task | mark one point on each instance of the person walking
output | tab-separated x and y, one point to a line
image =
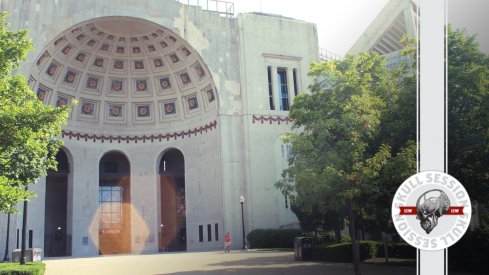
227	239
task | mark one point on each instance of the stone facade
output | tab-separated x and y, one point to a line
153	76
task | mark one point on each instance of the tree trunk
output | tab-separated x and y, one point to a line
354	241
386	252
337	229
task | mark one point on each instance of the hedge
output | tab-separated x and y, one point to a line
342	252
470	252
396	250
273	238
18	269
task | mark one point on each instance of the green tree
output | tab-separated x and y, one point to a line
341	141
27	126
468	114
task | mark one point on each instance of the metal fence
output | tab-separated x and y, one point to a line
224	8
325	55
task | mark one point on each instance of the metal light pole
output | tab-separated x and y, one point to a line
24	226
241	199
6	258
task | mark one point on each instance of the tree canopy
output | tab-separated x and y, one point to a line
28	127
348	151
468	114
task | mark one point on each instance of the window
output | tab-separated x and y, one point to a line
110	203
209	233
216	231
111	167
283	91
270	88
286	150
201	233
294	75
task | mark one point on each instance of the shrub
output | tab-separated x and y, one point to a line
17	269
342	252
397	250
273	238
470	253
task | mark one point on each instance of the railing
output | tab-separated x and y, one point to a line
325	55
224	8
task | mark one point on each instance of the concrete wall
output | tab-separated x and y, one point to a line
278	42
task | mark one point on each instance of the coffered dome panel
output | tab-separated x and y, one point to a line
127	75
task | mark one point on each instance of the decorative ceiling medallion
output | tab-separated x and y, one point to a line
141	85
158	63
66	50
92	82
185	78
192	103
62	101
115	110
80	57
138	65
70	77
185	51
42	93
98	62
52	69
42	58
170	108
116	85
210	95
143	110
165	83
87	108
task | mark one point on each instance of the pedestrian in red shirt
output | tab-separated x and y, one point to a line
228	243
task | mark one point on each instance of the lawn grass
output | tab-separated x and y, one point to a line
392	261
18	269
274	249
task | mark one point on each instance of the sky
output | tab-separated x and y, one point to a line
471	15
341	22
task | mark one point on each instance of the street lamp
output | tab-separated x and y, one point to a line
6	258
241	200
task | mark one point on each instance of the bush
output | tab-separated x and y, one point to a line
273	238
470	253
342	252
17	269
397	250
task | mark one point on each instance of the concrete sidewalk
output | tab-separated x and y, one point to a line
236	262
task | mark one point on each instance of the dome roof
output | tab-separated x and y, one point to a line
126	74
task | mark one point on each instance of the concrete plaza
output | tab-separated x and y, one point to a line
215	262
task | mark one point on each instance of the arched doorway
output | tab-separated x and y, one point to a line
173	231
57	239
114	204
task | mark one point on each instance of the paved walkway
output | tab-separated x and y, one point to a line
236	262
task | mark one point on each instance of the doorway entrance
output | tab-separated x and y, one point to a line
57	239
172	231
114	204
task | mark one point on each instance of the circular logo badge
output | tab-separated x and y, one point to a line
431	210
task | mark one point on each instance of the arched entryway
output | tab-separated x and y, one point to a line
114	204
57	235
173	231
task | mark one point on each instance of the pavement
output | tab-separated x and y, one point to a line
214	262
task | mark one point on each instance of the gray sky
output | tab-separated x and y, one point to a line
473	15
